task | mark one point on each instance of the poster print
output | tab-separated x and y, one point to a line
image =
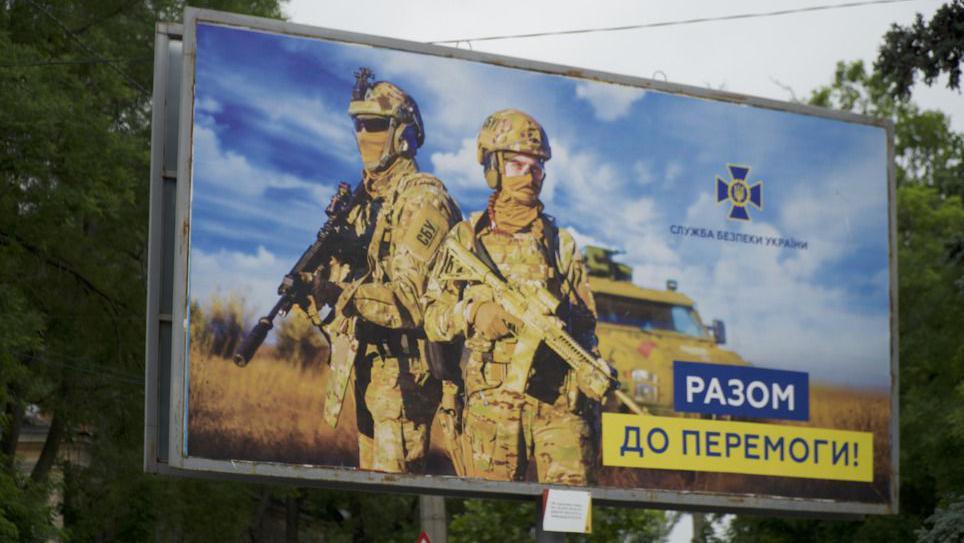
409	264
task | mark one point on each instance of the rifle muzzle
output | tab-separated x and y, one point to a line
252	341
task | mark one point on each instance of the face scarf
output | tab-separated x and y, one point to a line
517	204
371	145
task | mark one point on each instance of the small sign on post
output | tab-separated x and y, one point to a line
567	511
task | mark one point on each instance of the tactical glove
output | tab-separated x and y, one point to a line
492	322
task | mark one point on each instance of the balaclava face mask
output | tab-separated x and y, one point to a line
516	205
371	145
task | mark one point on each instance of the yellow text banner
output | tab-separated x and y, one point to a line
636	441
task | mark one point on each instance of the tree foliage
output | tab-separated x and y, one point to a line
74	170
930	49
505	521
946	525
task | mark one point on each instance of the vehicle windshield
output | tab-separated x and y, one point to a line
647	315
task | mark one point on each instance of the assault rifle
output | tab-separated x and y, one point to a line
535	307
294	288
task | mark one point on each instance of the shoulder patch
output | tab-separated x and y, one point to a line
428	228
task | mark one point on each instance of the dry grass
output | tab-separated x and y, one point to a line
271	410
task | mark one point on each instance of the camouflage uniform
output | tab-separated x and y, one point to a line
553	421
376	330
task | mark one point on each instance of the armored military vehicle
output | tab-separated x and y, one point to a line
642	331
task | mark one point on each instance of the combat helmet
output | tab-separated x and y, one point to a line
509	130
406	133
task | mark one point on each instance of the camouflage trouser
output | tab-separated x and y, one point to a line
504	431
396	415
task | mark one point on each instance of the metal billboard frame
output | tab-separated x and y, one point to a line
167	304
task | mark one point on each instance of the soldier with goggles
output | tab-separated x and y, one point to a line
553	419
377	341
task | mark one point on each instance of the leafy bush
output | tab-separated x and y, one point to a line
298	340
217	328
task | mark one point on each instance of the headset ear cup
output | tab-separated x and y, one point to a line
493	169
406	140
492	178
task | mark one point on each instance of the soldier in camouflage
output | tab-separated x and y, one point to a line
553	422
376	328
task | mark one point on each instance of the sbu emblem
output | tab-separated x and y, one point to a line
739	192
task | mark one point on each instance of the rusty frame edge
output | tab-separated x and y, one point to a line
155	227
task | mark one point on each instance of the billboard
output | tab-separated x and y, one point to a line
392	265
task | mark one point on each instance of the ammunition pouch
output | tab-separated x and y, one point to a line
441	360
390	342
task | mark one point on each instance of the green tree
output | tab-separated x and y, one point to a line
510	521
946	525
74	170
929	48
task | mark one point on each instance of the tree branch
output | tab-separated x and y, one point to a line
61	265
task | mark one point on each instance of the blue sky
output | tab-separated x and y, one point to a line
272	138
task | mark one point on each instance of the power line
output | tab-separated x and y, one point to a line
755	15
85	366
133	82
77	61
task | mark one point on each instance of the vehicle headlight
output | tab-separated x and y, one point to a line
641	375
645	393
645	386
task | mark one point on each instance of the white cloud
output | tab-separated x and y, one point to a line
208	104
455	97
459	170
775	302
598	194
235	174
673	170
777	313
583	239
254	277
779	320
310	119
285	113
609	100
232	183
588	180
643	170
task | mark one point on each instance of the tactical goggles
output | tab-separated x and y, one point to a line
522	164
371	124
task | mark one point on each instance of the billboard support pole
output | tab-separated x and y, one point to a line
699	524
543	536
432	512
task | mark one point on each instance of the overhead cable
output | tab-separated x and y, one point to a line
133	82
754	15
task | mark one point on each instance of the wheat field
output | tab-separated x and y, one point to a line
271	411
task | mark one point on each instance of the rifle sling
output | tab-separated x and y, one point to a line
481	251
